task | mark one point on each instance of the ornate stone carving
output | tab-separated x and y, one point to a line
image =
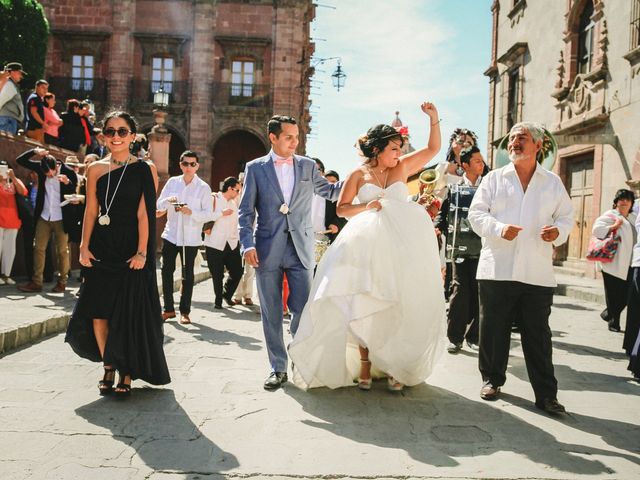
85	43
517	12
161	45
560	71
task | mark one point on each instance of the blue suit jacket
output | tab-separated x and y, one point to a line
262	195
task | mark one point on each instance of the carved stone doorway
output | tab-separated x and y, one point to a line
580	186
231	153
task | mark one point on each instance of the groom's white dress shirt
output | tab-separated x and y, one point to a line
286	177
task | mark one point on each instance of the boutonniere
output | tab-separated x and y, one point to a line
284	209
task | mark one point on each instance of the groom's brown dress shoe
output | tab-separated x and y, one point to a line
275	380
489	392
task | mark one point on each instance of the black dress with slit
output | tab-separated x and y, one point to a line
128	299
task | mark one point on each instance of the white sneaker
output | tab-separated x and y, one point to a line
454	347
9	281
2	281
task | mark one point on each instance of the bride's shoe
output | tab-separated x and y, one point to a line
364	383
394	385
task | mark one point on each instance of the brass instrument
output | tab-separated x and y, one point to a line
430	178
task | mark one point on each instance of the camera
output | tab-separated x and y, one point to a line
4	170
177	206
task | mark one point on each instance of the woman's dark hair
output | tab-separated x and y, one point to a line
48	163
49	95
319	163
465	155
228	183
127	117
377	139
457	133
623	194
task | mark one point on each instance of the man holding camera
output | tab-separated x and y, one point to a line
187	201
11	108
55	180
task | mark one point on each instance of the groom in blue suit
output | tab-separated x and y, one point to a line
279	187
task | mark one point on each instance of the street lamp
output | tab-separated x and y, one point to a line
338	77
160	98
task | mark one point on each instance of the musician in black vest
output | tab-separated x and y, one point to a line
55	180
331	219
462	318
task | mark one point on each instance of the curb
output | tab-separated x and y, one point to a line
578	293
25	334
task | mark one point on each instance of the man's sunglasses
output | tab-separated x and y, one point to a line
188	164
111	132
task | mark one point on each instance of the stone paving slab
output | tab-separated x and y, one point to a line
28	317
215	421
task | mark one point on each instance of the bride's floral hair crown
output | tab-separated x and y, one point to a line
376	140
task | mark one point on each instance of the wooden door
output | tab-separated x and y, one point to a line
580	184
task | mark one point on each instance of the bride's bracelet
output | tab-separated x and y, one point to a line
435	123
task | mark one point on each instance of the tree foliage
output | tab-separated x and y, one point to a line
24	31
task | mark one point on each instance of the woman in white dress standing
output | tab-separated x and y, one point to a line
376	298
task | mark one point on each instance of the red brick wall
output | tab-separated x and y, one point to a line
79	15
162	16
251	20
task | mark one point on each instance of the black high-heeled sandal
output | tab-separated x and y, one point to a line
123	390
105	386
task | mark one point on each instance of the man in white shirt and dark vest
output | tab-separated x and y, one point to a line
187	200
521	211
222	243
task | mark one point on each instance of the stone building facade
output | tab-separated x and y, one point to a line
573	65
228	66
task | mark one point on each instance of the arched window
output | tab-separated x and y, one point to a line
585	38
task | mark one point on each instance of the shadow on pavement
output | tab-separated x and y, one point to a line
204	333
153	423
591	351
434	426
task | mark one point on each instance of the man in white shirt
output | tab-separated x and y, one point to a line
187	200
11	108
222	243
521	211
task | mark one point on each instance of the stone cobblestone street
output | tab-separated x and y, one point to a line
215	420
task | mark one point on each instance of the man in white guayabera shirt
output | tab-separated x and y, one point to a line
521	211
187	200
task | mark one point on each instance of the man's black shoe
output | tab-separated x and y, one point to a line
217	307
229	301
604	315
551	406
275	380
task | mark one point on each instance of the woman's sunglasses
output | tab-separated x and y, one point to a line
111	132
188	164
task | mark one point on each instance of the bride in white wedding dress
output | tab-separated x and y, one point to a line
377	298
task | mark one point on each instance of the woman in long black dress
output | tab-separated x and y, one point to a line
118	319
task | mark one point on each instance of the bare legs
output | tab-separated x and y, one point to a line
364	380
101	331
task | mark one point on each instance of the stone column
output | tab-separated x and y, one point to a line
121	56
159	139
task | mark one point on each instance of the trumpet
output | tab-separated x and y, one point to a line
429	178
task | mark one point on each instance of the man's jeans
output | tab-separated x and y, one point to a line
8	124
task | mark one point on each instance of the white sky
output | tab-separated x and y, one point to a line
397	54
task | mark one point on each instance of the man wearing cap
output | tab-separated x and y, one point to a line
35	111
11	109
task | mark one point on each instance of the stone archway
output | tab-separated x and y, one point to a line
231	152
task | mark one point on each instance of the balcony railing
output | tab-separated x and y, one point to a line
142	91
66	87
240	95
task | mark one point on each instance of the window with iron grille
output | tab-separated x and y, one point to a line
82	73
242	78
162	74
635	24
513	97
585	39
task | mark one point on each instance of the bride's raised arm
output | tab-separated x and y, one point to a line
415	161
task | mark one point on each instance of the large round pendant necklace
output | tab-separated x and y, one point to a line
104	219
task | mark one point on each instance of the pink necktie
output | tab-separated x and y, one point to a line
283	161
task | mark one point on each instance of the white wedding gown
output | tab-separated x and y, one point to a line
378	285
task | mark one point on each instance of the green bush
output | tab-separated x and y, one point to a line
24	32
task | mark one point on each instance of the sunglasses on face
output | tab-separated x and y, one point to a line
111	132
188	164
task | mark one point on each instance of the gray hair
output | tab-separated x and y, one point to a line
535	129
